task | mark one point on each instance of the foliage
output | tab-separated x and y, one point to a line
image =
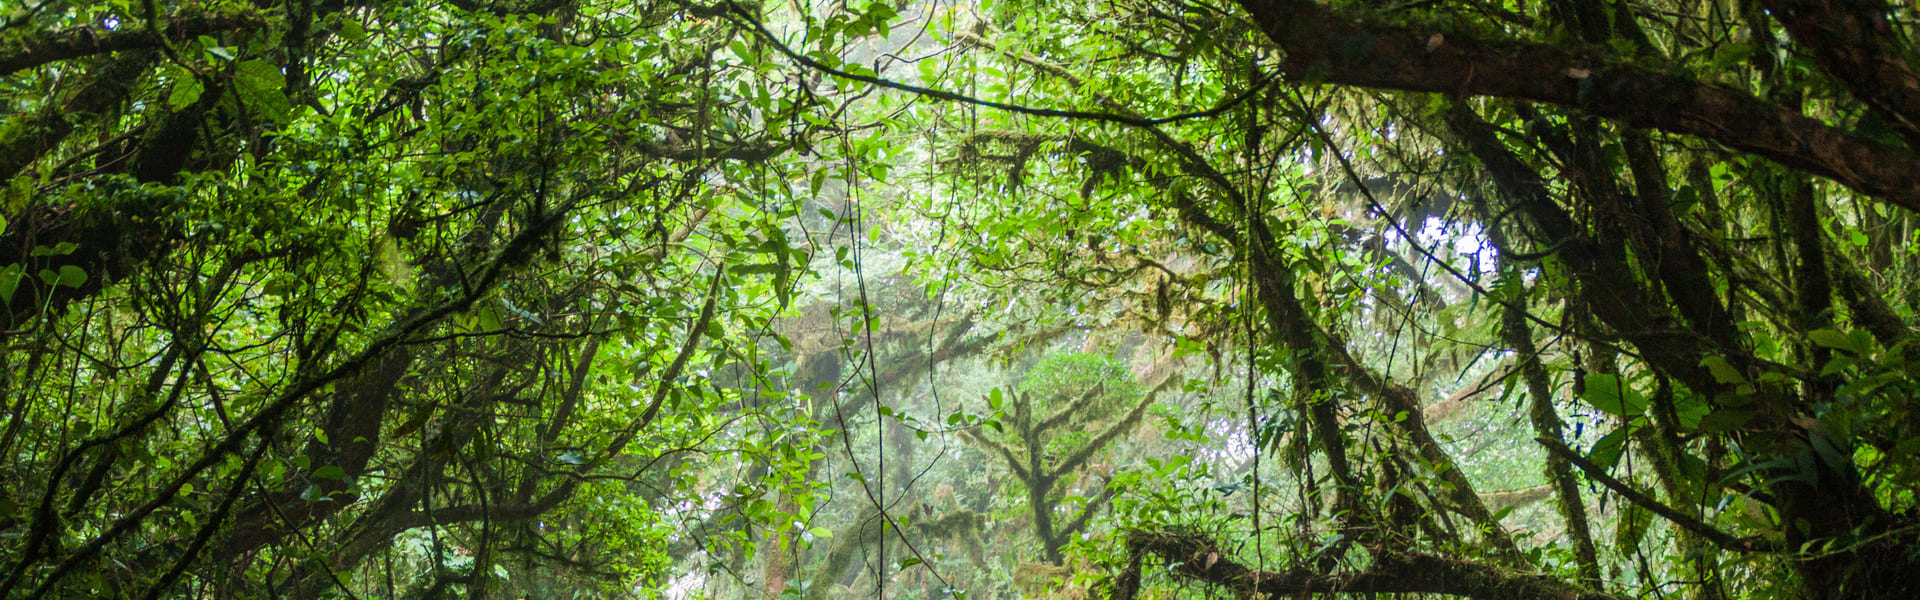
556	298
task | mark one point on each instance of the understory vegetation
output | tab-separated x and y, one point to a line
1130	299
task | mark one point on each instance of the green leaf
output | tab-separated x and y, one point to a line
71	276
1690	409
768	268
1723	371
352	30
261	86
1606	452
215	50
186	91
1612	395
329	472
1726	419
1728	55
10	277
1857	342
1837	365
1503	512
489	317
280	284
1631	527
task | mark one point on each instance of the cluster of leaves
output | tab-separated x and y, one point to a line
416	299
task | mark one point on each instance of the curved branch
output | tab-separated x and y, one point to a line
1019	470
1326	48
1196	557
1720	538
1086	451
1072	408
1093	505
521	249
87	40
1850	40
739	14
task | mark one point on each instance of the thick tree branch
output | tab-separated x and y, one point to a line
1019	470
1086	451
103	87
1870	308
1679	519
1323	47
88	40
1853	42
1198	558
1086	513
1072	408
1608	287
517	252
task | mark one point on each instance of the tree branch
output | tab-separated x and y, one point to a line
1019	470
1723	539
1322	47
87	40
1852	42
1196	557
1086	451
1072	408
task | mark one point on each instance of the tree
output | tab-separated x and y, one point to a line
1041	450
300	292
413	300
1619	155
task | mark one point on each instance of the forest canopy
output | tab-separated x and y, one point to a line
557	299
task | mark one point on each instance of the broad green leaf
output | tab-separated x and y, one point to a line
1837	365
280	284
71	276
261	87
1726	419
351	29
214	49
1728	55
1606	452
1857	342
1689	409
1612	395
1631	528
10	277
186	91
1723	371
